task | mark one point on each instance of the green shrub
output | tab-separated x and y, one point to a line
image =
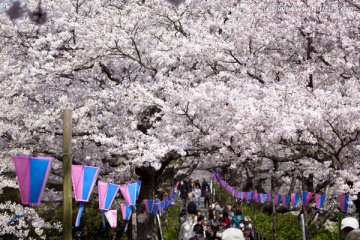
288	226
171	231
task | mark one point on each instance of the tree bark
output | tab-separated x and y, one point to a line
146	228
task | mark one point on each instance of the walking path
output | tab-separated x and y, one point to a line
202	208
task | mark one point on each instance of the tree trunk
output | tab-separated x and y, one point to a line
146	228
273	208
292	184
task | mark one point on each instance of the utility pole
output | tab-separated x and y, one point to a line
67	188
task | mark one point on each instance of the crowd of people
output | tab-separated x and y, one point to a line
228	222
194	189
216	223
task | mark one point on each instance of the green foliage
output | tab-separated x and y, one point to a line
288	226
171	231
222	196
91	221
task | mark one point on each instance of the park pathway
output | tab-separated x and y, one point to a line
202	208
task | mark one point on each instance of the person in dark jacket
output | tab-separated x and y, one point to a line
204	184
199	232
207	197
183	193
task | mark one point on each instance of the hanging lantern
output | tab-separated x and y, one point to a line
126	211
249	196
343	202
157	207
294	199
83	180
149	205
285	200
131	192
256	197
107	193
111	216
32	174
306	196
263	197
319	200
277	199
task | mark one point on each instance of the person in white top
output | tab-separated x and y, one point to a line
197	193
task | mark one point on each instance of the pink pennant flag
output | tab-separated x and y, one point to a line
306	197
107	193
319	200
256	196
294	199
343	202
233	193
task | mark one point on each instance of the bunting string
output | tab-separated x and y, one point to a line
288	201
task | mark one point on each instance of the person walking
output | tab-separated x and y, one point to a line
207	197
204	184
186	227
183	194
197	193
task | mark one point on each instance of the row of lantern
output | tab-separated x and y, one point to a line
33	172
83	180
284	199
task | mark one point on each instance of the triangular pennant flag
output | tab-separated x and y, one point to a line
149	205
294	199
319	199
249	196
263	197
277	199
130	192
285	200
157	207
343	201
306	198
107	193
256	196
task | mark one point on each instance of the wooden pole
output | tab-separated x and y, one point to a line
67	188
